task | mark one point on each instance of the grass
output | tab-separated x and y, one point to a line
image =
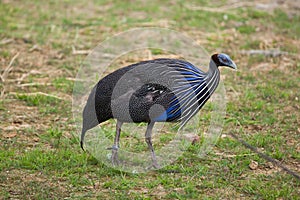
40	156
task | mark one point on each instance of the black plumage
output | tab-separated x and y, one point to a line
152	91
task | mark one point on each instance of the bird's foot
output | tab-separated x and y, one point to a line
114	158
154	165
114	155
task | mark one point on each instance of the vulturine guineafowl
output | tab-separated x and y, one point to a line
160	90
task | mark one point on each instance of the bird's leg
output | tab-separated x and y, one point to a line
115	147
149	143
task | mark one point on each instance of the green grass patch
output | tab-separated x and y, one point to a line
287	24
63	84
37	100
246	29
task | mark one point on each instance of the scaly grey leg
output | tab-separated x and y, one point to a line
115	147
149	143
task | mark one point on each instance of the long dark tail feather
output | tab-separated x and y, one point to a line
88	123
81	145
82	139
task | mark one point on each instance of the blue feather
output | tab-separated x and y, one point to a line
190	85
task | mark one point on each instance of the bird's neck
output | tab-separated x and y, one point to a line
213	76
212	69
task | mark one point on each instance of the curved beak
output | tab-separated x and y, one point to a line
233	65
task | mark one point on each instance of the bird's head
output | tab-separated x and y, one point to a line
222	59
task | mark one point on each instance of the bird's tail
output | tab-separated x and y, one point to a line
82	138
89	116
87	124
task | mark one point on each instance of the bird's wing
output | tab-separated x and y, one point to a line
138	80
178	85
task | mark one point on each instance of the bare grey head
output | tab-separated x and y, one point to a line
223	59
